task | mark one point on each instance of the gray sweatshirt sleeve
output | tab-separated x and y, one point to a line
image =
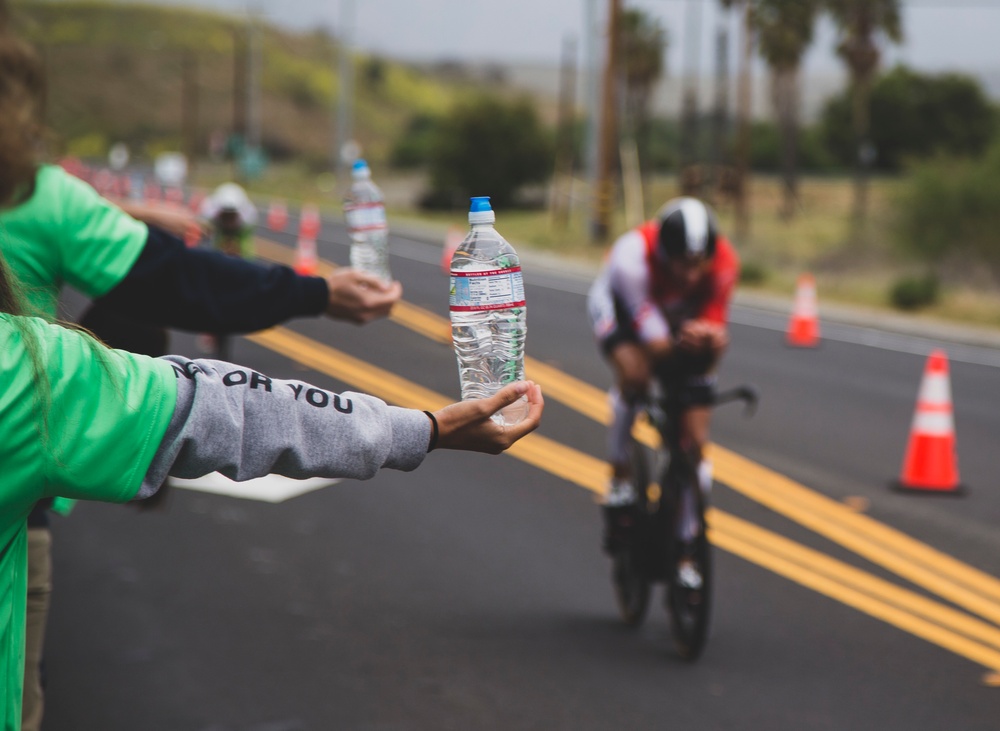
243	424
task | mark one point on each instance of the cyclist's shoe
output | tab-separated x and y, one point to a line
620	515
620	493
688	574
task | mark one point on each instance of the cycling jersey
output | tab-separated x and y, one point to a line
632	298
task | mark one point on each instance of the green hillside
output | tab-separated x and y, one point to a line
121	72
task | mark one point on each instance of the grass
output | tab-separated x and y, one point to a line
851	266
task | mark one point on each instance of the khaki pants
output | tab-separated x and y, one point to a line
39	591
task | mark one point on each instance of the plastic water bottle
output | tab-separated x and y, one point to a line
364	209
488	312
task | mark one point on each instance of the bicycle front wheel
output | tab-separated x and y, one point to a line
689	584
631	587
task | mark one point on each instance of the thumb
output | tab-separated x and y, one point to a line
509	394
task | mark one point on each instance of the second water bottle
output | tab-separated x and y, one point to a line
364	209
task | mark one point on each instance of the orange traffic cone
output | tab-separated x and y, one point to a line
452	240
309	223
277	216
803	328
930	463
306	261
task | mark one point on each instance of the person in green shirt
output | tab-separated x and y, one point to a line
56	230
82	421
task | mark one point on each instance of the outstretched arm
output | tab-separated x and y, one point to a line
171	285
243	424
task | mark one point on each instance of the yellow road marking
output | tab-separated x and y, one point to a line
820	563
936	623
912	559
536	450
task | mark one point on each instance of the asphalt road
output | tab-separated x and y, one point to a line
472	594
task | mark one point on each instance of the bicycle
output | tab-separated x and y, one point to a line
656	551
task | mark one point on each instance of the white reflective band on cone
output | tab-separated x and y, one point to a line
934	423
935	389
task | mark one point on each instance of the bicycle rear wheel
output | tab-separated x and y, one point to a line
689	602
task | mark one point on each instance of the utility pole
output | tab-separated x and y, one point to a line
720	128
237	139
253	82
345	100
189	108
562	181
239	82
743	102
604	190
689	104
591	95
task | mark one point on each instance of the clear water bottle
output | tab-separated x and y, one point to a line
487	306
364	209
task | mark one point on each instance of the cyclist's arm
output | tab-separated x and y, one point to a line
630	278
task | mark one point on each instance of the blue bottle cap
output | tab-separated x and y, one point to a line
359	164
480	204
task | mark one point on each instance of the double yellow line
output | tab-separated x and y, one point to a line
956	631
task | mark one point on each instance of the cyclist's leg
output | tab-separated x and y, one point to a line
623	412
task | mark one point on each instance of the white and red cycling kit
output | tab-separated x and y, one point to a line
632	298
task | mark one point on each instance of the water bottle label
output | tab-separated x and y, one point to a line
497	289
365	217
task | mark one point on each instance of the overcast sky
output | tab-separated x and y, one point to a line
940	34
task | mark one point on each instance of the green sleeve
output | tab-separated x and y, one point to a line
93	431
98	242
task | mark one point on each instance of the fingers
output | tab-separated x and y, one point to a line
468	424
359	297
536	405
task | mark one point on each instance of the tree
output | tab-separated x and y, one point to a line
643	44
859	22
784	32
915	115
488	146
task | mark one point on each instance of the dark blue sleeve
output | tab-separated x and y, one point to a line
205	291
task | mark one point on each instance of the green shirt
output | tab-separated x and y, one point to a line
106	412
67	234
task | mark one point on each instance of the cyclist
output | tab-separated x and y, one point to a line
659	309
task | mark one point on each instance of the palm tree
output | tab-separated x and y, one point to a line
643	43
784	32
859	22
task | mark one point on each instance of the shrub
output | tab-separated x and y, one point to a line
912	293
914	115
753	272
492	147
949	212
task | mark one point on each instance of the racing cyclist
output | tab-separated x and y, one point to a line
659	309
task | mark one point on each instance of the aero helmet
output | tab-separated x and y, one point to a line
687	230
